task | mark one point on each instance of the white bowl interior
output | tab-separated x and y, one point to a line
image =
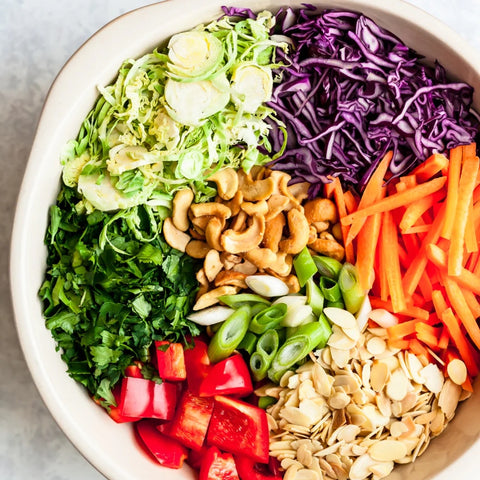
111	448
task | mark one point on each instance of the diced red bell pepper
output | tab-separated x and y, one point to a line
195	457
164	400
114	412
248	469
197	365
240	428
170	361
228	377
167	451
191	420
218	466
136	397
133	371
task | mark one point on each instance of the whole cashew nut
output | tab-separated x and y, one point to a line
227	182
181	203
299	232
237	242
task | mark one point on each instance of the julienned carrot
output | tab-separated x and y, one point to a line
427	334
471	243
444	339
466	185
401	330
425	286
342	212
419	350
466	279
414	272
329	187
366	246
460	341
381	270
391	263
351	202
430	167
452	190
418	229
410	310
439	302
415	210
472	302
397	200
372	192
400	343
460	306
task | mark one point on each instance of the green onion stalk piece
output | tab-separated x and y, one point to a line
265	402
265	351
304	266
235	301
268	318
339	304
315	297
248	343
326	327
256	308
268	343
330	289
327	266
229	335
352	292
298	346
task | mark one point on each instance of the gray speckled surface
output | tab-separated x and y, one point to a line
36	38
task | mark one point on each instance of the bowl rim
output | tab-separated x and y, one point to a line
397	8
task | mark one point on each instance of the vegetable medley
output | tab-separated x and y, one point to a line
264	253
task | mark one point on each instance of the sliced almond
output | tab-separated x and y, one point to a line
376	345
397	386
378	376
212	265
433	378
387	450
341	317
457	371
448	398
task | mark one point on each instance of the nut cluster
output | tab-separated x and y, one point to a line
357	408
255	225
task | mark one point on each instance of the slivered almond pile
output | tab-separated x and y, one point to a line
256	224
358	407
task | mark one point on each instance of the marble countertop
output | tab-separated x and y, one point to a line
36	39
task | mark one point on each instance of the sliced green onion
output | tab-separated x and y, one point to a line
259	365
304	266
235	301
326	328
265	402
330	289
268	343
327	266
248	343
256	308
352	292
315	297
268	318
229	335
339	304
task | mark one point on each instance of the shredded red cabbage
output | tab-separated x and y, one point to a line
351	91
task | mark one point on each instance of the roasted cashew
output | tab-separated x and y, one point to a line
291	281
235	203
202	280
258	208
239	223
212	265
282	265
245	267
337	232
320	226
273	232
214	209
211	297
299	190
235	279
175	237
229	260
313	235
299	232
227	182
201	222
321	210
197	249
276	204
213	231
237	242
328	247
196	233
254	190
181	203
261	257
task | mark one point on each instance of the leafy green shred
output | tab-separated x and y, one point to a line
112	287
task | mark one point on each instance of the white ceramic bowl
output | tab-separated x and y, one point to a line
111	448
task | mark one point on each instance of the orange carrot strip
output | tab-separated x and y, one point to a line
419	350
472	261
460	341
467	385
397	200
452	190
403	257
439	302
444	339
401	330
425	286
418	229
460	306
466	279
469	151
426	337
416	209
409	181
329	187
351	202
371	193
476	194
400	343
342	212
410	310
465	192
366	246
430	167
471	243
472	302
381	270
414	272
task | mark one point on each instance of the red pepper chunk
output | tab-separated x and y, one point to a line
228	377
164	400
197	365
167	451
170	361
248	469
218	466
191	420
239	428
115	412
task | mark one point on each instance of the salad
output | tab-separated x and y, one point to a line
264	251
